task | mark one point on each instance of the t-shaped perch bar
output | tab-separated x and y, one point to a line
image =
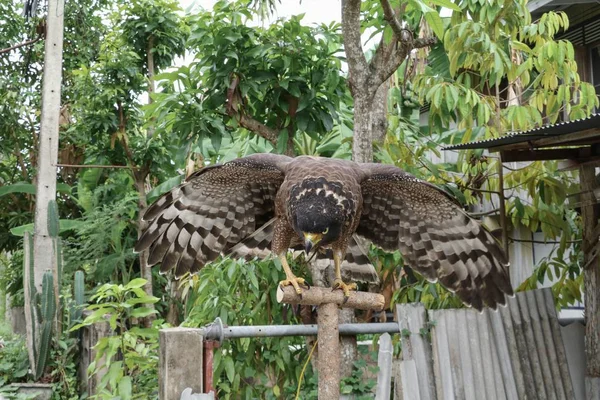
328	336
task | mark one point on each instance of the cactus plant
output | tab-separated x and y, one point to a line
78	296
47	315
42	311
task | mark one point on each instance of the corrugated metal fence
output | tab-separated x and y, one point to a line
515	353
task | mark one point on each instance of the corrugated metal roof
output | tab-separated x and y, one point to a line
515	353
561	128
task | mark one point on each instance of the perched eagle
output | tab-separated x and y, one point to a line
267	203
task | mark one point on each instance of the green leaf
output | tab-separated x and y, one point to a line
65	225
282	141
229	368
125	388
164	187
136	283
29	188
447	4
435	23
142	312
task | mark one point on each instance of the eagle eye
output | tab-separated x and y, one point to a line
325	231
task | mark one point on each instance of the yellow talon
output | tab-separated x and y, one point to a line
295	282
346	287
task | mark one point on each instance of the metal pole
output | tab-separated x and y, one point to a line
216	330
209	346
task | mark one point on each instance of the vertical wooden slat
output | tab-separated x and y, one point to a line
551	346
500	384
474	343
522	353
443	375
455	360
384	362
408	374
531	348
516	387
413	318
485	343
464	349
561	354
542	350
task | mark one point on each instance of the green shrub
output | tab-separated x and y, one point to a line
14	360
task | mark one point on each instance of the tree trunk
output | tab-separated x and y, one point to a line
379	122
140	177
362	146
145	269
590	214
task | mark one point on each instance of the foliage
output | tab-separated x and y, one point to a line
10	392
563	272
64	353
103	244
130	357
242	293
14	360
494	71
154	25
357	384
11	278
287	77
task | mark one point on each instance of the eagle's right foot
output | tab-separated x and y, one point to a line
345	287
295	282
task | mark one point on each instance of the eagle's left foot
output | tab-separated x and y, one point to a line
296	283
346	288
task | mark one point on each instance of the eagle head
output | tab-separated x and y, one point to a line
318	219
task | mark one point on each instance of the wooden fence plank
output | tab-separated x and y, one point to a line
384	361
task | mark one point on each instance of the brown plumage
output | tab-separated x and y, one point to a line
265	203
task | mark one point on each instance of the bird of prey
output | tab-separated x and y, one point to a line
267	203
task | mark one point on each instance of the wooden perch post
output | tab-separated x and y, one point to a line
328	337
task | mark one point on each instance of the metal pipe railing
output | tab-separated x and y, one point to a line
217	331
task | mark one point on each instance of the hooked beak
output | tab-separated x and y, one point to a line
311	240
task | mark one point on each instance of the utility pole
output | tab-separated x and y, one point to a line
44	250
44	256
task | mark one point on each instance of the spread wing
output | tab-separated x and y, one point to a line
213	210
435	236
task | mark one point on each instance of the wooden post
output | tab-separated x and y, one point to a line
591	279
384	362
329	351
502	206
328	302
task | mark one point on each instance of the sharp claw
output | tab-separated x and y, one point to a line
346	297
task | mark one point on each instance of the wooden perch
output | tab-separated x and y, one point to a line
318	295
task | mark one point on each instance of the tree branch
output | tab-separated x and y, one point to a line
405	42
390	16
357	62
543	241
16	46
419	43
235	109
261	129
